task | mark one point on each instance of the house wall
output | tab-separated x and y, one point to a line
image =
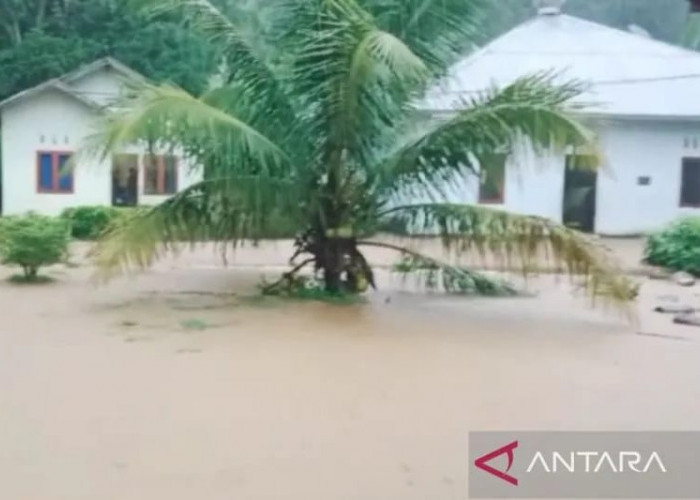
52	121
638	148
535	184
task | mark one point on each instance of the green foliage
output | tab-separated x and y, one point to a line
88	223
91	222
677	247
451	279
33	241
38	46
312	127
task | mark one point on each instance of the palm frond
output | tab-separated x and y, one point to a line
442	150
515	241
691	33
245	65
170	117
351	73
439	31
224	211
435	275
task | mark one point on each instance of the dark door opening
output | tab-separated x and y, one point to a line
579	207
125	180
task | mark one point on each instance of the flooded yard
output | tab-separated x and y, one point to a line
181	384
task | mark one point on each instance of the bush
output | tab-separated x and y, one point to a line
677	247
33	241
89	223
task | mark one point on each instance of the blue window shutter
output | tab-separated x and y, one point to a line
65	175
46	172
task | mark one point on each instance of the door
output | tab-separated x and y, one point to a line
125	180
579	207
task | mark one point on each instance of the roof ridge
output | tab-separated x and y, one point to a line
619	31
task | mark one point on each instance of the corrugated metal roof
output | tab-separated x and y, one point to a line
630	75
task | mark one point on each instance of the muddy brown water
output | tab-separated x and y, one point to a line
175	385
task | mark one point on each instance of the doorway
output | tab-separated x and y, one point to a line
579	207
125	168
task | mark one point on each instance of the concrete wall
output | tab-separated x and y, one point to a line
634	149
535	184
52	121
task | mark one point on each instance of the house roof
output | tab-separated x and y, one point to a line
105	62
55	84
630	75
63	83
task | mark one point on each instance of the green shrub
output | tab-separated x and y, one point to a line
32	241
90	222
677	247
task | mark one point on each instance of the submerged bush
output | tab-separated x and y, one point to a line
33	241
90	222
677	247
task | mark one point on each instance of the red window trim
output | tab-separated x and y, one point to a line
160	171
494	201
56	167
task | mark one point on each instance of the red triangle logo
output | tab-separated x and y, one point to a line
508	449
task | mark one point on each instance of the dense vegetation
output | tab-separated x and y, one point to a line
677	247
41	39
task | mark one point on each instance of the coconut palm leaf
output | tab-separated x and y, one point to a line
226	211
516	241
445	149
170	117
436	275
437	30
343	69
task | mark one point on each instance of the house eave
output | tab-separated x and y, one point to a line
54	84
593	115
105	62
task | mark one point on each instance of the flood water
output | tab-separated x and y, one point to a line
176	386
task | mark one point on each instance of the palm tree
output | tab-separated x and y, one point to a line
314	129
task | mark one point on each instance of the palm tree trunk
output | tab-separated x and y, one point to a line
332	264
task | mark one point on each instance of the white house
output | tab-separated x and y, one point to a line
644	103
40	128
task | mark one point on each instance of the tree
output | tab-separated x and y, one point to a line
321	135
76	32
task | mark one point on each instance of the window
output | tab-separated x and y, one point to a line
160	174
690	183
493	177
53	175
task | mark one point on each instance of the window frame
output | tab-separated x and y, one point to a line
684	161
55	171
161	188
501	198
